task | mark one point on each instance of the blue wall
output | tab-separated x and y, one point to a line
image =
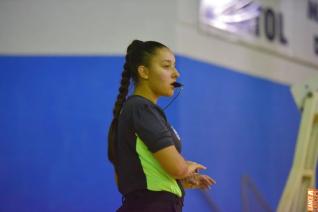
55	112
239	126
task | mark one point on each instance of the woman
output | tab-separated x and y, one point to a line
143	147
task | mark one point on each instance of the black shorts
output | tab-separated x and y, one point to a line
151	201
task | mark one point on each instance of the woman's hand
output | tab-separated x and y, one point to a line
194	167
197	181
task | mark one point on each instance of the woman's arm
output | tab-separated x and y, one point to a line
174	164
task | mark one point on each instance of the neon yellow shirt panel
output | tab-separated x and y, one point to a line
157	178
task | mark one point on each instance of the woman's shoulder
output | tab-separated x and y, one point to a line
137	101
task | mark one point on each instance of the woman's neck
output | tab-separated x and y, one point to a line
145	92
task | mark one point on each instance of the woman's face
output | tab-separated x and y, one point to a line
162	72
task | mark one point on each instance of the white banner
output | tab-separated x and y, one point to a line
288	28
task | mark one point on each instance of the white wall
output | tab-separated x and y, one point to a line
108	26
81	26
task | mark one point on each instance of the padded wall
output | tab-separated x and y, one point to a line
55	111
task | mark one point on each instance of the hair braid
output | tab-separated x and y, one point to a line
121	98
123	91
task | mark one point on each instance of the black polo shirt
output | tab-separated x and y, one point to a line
143	129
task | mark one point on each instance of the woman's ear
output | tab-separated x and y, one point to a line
143	72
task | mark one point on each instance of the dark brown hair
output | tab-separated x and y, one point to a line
138	53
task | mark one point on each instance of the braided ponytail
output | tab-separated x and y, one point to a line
123	91
138	53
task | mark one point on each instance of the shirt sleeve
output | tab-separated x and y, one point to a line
151	128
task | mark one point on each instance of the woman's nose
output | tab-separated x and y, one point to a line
177	73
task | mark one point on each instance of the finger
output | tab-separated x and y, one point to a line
199	167
190	162
206	183
207	180
194	168
203	181
211	180
195	163
205	186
